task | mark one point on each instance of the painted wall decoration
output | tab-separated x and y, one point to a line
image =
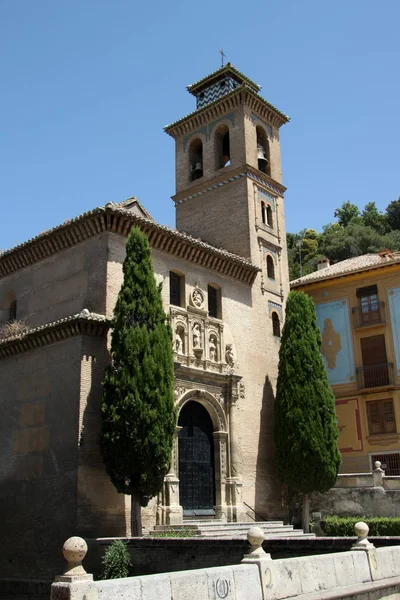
337	350
349	424
394	307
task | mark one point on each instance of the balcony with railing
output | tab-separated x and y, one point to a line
375	375
368	313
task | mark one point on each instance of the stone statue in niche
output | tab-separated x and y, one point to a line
179	342
229	355
213	348
196	336
197	298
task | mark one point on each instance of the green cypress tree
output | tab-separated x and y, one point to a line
138	414
305	428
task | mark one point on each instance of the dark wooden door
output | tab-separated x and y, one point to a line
374	359
196	460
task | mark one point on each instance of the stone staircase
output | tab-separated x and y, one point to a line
218	529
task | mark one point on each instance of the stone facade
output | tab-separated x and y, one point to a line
65	282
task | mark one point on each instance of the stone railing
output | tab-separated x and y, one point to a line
367	480
365	572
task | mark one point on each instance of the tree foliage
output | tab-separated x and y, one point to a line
305	429
354	233
138	415
346	213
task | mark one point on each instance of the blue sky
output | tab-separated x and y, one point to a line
87	86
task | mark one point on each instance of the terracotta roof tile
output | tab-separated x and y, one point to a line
356	264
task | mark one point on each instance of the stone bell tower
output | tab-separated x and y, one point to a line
228	167
229	193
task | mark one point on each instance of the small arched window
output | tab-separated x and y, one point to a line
276	325
176	288
196	159
270	267
266	214
262	151
222	147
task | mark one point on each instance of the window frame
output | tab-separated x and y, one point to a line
179	279
218	300
380	417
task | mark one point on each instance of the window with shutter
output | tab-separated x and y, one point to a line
381	418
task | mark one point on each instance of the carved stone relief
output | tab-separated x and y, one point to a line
197	298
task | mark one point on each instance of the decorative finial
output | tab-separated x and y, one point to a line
74	551
361	530
222	56
255	537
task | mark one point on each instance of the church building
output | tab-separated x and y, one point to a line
224	282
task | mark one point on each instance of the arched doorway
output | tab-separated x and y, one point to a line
196	460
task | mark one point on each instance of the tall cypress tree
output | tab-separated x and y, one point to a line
305	428
138	414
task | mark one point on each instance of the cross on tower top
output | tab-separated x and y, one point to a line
222	56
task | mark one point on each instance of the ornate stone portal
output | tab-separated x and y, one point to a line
220	401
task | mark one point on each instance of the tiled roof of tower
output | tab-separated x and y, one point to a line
366	262
227	69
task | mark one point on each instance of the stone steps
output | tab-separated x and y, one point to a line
238	530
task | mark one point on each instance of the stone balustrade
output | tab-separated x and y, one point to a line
362	572
368	480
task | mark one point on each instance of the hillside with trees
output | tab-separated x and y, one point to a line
355	232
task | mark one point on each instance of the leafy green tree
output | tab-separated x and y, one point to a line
393	214
340	243
302	252
373	218
138	415
305	429
347	213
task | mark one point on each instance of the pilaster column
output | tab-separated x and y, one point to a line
220	452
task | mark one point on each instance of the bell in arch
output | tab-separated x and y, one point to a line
197	169
261	158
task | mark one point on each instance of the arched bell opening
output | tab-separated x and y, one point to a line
222	147
196	159
196	460
263	163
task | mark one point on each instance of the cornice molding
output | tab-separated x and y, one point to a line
111	218
84	323
241	95
227	177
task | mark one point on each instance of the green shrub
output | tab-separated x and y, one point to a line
344	526
182	533
116	561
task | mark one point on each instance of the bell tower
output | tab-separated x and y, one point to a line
229	188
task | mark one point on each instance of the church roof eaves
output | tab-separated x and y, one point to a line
195	87
83	323
120	221
209	108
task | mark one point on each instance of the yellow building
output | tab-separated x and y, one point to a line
358	312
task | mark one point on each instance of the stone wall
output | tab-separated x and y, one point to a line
39	404
365	573
357	494
52	479
59	286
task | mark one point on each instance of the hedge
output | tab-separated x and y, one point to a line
344	526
